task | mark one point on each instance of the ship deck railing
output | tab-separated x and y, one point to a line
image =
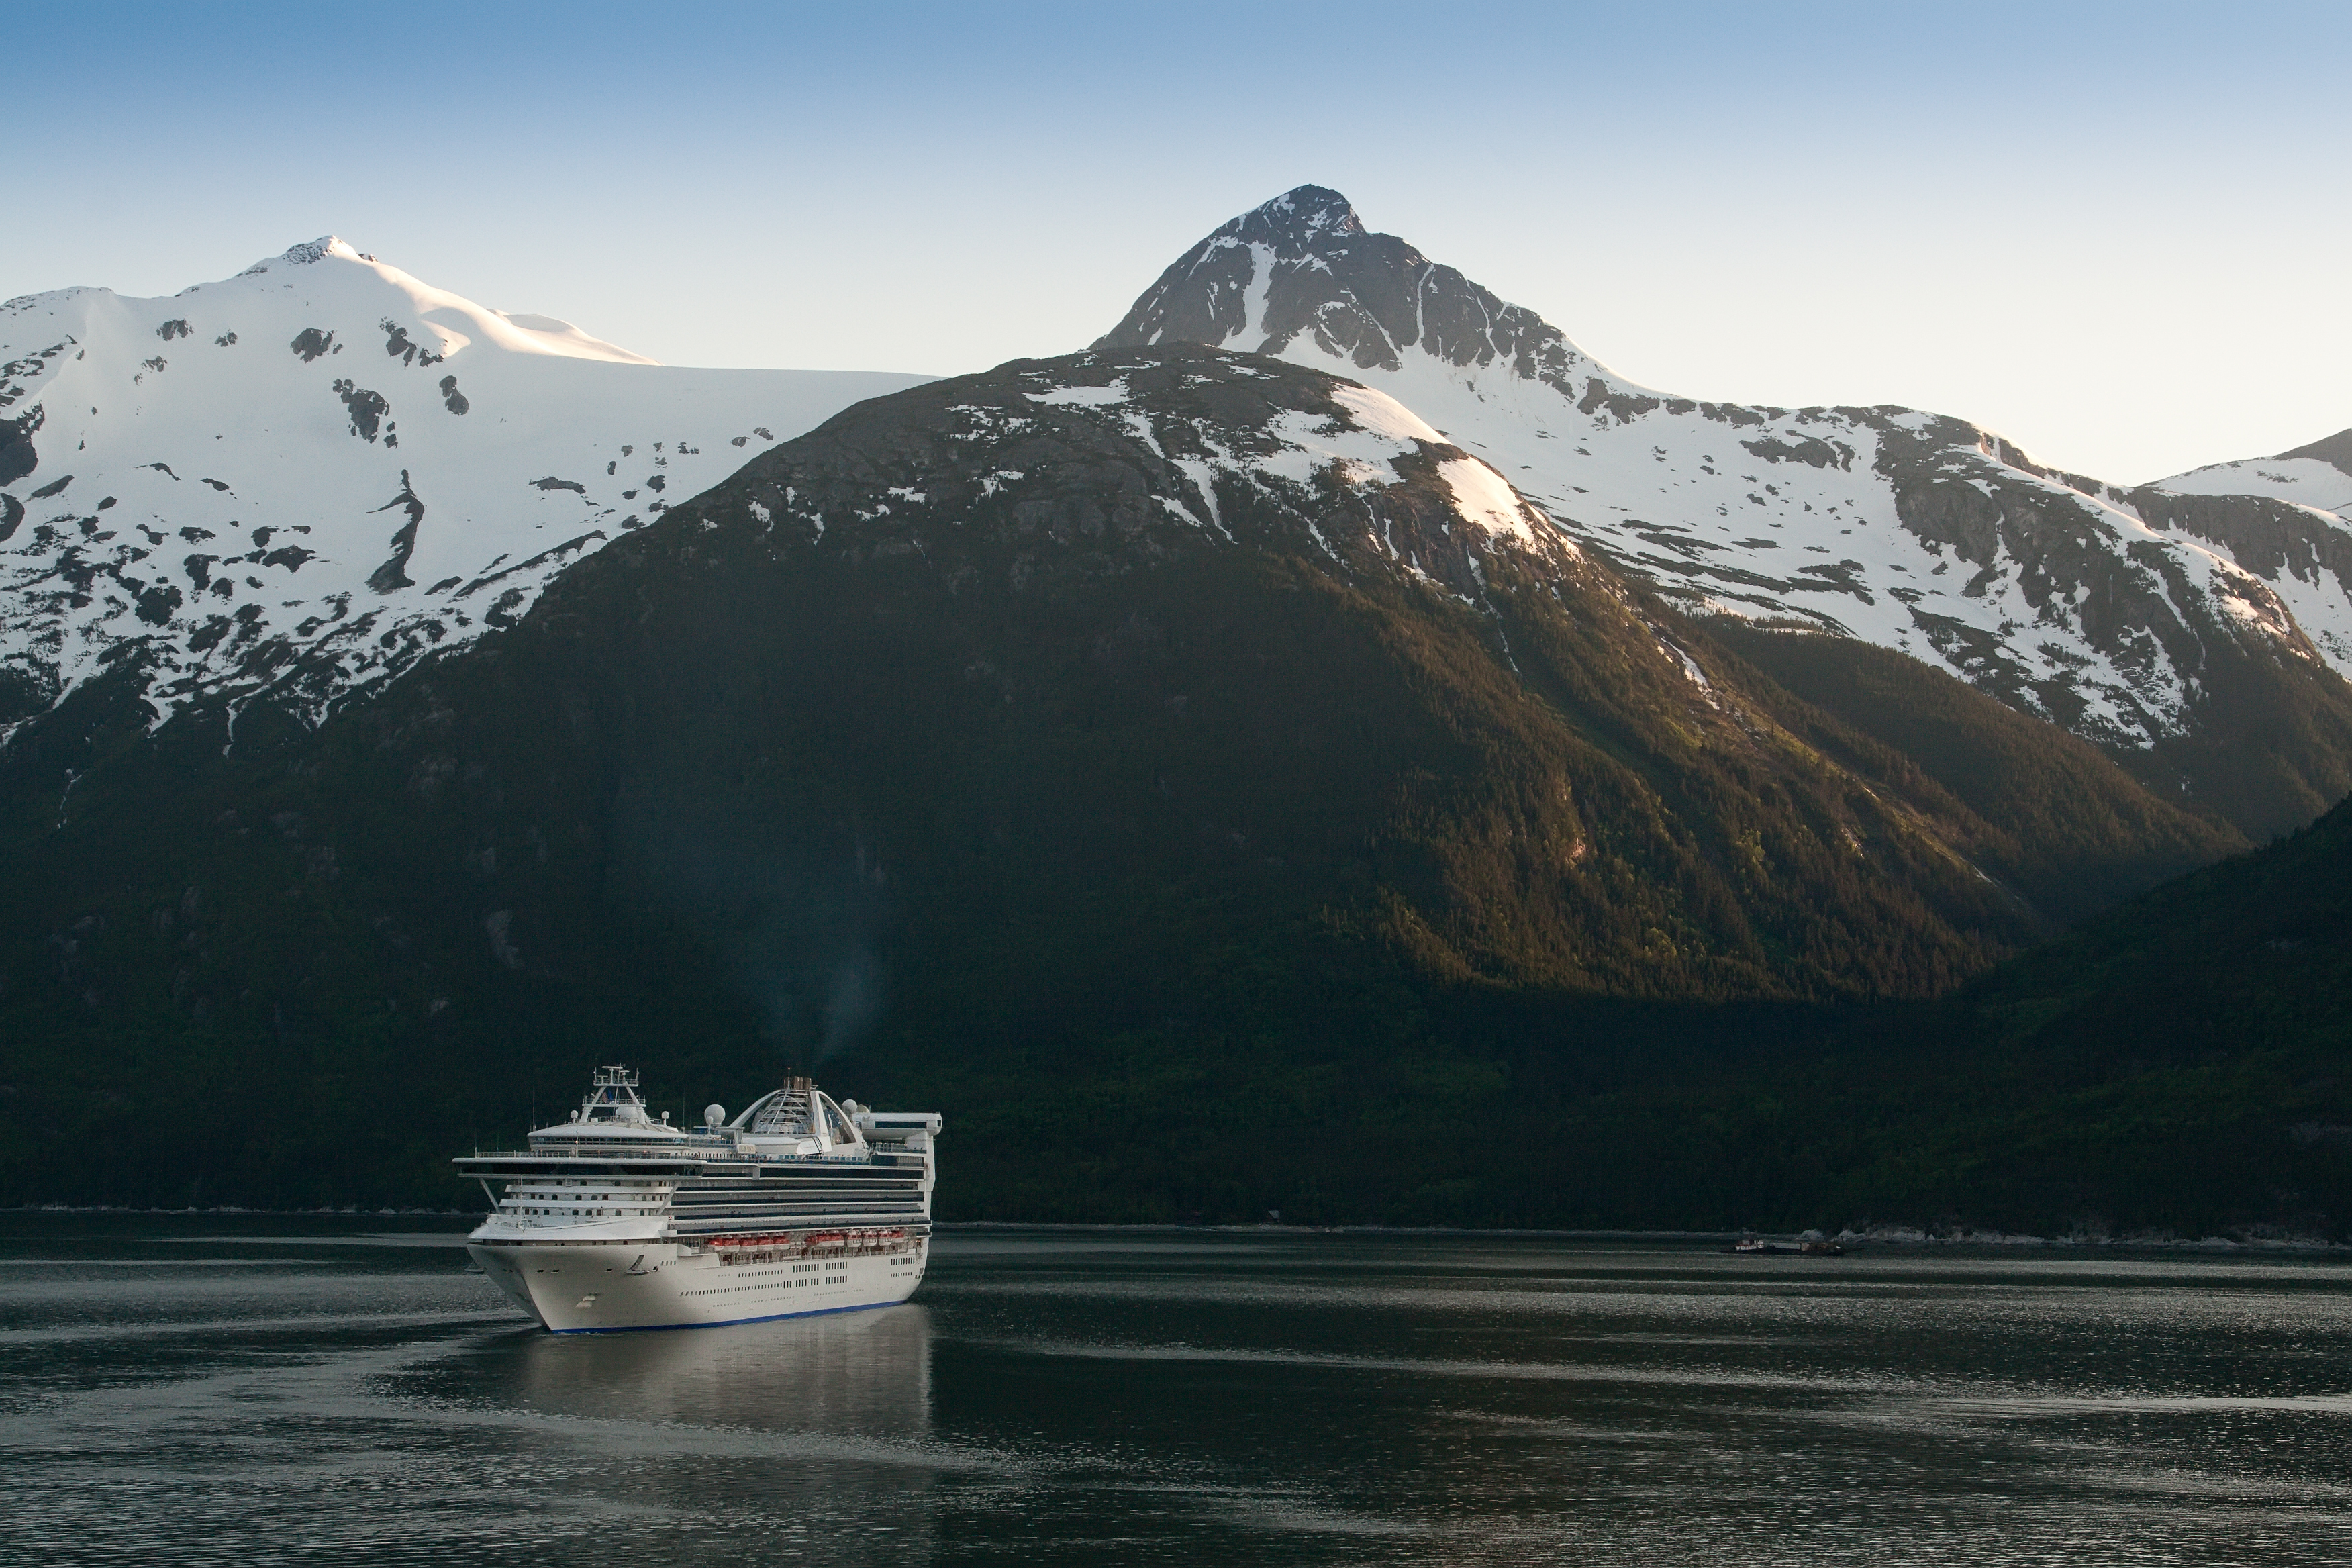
672	1152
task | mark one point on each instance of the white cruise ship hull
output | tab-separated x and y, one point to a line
612	1220
609	1287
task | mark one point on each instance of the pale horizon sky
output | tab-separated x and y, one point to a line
2111	232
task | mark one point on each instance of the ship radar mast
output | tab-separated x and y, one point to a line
612	1096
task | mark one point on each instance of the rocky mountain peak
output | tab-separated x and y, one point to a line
1301	276
1296	222
308	254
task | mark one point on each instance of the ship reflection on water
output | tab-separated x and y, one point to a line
850	1375
809	1435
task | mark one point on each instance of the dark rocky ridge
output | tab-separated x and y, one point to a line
1080	491
2335	449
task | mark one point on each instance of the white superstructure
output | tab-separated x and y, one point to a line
615	1219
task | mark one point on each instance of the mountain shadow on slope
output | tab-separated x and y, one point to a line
2178	1069
2069	827
2179	1066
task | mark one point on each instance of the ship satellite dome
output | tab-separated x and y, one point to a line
713	1115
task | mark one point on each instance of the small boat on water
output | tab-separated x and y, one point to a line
615	1219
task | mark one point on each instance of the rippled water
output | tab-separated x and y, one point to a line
194	1391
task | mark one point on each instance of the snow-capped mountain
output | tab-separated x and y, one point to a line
1913	531
2286	519
302	479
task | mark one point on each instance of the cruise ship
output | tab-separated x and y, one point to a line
615	1219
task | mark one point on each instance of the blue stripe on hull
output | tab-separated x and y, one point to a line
730	1322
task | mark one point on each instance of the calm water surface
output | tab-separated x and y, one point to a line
203	1391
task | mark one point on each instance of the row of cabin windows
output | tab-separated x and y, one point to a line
577	1213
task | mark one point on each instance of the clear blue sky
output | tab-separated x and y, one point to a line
2115	233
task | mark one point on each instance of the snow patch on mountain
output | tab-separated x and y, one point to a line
303	478
1486	499
1093	396
2305	481
1384	416
1375	443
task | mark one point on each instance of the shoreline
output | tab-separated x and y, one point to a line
1877	1235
